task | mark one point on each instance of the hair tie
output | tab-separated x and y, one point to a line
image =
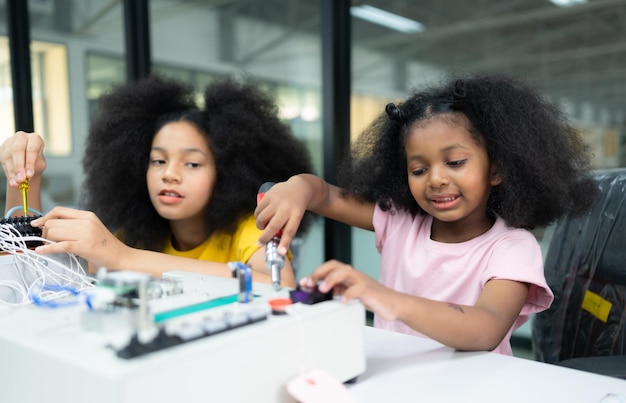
394	112
458	95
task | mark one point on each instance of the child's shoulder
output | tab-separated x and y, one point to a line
399	220
501	232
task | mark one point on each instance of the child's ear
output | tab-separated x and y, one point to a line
494	176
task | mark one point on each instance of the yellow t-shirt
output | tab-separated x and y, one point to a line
223	248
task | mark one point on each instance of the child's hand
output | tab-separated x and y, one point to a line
282	208
82	233
22	157
350	283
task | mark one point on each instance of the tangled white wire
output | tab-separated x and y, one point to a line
26	275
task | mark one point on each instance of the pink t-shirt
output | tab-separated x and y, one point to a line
412	263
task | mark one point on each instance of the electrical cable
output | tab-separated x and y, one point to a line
35	277
16	208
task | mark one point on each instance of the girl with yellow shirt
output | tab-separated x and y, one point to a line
176	183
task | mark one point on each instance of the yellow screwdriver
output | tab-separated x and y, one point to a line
24	189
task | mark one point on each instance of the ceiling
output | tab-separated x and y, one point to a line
575	53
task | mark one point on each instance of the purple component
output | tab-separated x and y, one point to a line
309	296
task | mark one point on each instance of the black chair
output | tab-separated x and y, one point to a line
585	328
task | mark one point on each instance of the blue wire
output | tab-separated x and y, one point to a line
53	304
14	209
88	302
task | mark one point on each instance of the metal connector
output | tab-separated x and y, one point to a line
274	261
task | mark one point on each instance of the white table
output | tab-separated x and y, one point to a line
48	356
403	368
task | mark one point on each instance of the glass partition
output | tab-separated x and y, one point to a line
6	92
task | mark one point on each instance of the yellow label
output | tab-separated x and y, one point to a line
596	305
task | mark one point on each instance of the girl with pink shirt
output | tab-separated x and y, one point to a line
451	180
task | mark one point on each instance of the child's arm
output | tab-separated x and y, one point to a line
284	205
478	327
82	233
22	157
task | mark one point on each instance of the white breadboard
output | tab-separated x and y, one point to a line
48	355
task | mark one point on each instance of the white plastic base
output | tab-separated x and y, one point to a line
47	354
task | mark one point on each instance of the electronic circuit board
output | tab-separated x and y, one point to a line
85	355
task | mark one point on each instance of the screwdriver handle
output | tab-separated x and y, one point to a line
24	189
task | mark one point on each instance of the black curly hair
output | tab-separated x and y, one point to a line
250	143
544	166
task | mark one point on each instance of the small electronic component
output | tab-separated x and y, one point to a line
209	326
126	285
309	296
23	227
22	224
274	261
279	305
128	296
244	273
164	287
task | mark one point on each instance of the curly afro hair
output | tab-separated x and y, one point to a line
251	146
542	161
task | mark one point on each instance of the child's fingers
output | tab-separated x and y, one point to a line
289	232
34	151
331	274
271	227
280	223
21	153
16	158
